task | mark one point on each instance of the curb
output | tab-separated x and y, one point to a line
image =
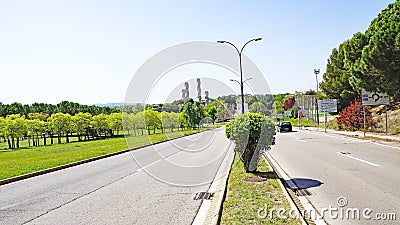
53	169
210	210
301	204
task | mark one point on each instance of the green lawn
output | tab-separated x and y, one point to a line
245	199
14	162
304	122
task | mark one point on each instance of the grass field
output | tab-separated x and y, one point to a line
245	199
14	162
304	122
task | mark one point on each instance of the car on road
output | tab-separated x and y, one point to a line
285	126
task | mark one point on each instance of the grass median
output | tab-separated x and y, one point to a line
254	202
15	162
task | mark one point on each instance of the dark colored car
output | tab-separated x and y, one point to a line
285	126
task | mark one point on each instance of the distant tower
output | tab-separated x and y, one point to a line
183	94
199	89
186	90
206	97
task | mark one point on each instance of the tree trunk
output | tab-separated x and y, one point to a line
44	139
9	143
29	142
67	137
17	142
59	138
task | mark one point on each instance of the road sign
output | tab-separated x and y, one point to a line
303	113
374	98
287	113
327	105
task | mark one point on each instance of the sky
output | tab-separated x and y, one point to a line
89	51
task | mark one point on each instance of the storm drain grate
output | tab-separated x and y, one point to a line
203	195
303	192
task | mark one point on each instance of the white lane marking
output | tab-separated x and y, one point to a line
385	145
300	140
361	160
148	165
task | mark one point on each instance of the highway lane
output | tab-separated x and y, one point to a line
333	166
153	185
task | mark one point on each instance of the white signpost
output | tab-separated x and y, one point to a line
287	113
374	98
327	105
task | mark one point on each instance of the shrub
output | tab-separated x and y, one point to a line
352	117
252	133
289	103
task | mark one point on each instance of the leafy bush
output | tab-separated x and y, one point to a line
289	103
333	124
352	117
252	133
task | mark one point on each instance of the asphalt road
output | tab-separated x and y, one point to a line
153	185
363	174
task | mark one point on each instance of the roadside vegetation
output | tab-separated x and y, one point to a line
252	134
45	124
369	60
31	141
253	192
245	199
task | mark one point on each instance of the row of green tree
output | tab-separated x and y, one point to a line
49	109
368	60
37	126
40	127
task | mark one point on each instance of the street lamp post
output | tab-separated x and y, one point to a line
316	71
241	88
240	65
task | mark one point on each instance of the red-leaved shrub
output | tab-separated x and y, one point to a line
289	103
352	117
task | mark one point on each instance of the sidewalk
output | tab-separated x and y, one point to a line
359	134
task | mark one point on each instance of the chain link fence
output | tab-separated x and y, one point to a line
307	105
